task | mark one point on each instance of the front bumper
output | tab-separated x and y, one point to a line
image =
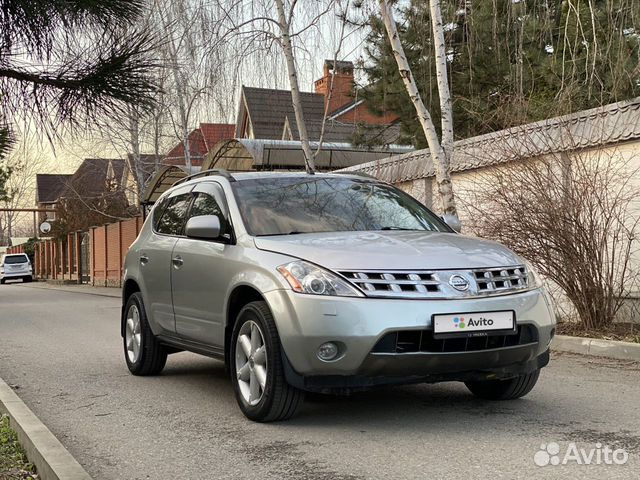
357	324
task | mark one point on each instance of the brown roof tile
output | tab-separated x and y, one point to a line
268	109
49	186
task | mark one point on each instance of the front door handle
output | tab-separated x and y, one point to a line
177	261
144	259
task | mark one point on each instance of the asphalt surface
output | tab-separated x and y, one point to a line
63	354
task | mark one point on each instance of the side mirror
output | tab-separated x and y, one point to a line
453	222
203	227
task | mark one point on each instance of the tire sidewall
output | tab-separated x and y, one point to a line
136	299
251	313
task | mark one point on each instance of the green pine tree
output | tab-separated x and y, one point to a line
510	62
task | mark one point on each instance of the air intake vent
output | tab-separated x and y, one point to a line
414	341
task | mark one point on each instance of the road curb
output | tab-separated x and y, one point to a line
71	289
44	450
597	347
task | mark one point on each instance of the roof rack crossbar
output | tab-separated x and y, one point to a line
205	173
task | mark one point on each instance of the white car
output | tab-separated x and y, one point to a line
14	266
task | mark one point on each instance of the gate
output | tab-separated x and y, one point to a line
85	261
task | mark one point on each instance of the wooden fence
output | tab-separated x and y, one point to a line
94	257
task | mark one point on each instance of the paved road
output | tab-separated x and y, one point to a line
62	351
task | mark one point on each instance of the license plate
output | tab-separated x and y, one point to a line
474	324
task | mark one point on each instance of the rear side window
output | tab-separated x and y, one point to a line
13	259
171	221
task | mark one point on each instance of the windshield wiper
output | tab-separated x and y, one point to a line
402	229
294	232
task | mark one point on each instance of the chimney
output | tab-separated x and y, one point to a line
342	91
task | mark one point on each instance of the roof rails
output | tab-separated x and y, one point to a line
206	173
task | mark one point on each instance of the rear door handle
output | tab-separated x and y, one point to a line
144	259
177	261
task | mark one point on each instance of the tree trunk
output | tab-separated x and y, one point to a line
438	154
285	42
133	160
172	53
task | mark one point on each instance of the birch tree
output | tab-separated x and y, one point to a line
288	24
440	152
284	24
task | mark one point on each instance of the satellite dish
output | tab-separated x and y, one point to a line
45	227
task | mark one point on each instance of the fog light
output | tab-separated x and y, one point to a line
328	351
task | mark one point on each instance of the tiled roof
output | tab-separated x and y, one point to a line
201	140
90	179
609	124
268	109
49	186
212	133
340	132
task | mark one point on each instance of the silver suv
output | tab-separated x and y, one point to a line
15	266
327	283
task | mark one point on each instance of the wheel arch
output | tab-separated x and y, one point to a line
129	288
240	296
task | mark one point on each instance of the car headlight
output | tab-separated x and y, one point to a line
533	278
305	277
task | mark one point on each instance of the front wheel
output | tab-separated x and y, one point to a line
142	351
261	389
504	389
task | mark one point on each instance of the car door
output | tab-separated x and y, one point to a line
156	253
199	275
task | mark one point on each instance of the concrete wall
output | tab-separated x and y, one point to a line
469	183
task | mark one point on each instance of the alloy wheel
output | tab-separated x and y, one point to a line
133	334
251	362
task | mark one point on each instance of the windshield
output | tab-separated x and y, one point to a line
12	259
290	205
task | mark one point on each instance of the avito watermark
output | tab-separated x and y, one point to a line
551	454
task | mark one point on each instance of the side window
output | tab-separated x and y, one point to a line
173	217
205	204
158	210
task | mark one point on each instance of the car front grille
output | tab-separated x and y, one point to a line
422	341
439	283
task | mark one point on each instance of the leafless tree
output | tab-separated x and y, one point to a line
575	216
440	150
24	162
284	23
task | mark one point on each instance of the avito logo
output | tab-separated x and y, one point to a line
460	322
481	322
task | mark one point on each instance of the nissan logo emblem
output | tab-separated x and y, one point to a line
459	283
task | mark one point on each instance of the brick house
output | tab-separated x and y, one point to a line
49	187
201	141
268	114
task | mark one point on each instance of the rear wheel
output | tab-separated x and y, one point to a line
142	351
504	389
261	389
2	281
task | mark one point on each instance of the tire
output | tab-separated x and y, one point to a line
28	279
504	389
2	281
272	398
150	356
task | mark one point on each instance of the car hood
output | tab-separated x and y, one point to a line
393	250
